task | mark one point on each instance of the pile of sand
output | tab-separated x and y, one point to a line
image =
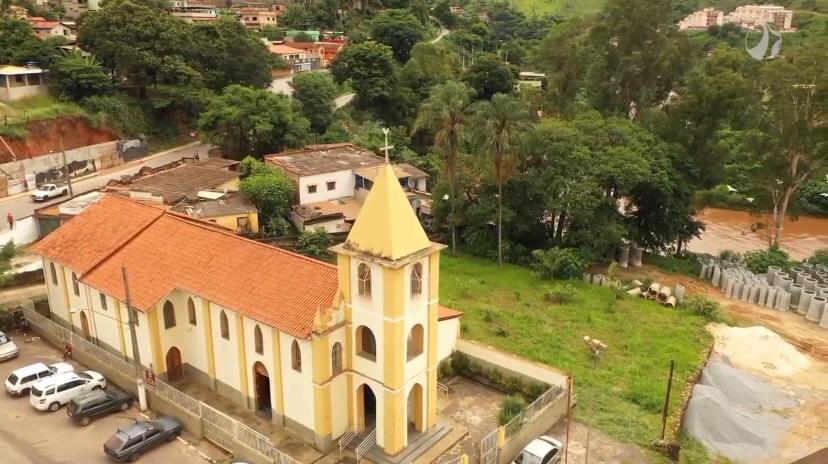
758	349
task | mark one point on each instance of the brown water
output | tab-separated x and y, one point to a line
739	231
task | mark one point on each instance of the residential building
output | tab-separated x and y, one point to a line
314	35
45	28
18	82
75	8
49	218
194	13
333	180
702	19
229	209
326	51
754	16
318	348
259	17
298	60
17	12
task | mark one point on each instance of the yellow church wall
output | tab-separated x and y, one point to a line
297	386
187	338
55	292
228	380
265	358
373	368
106	321
376	301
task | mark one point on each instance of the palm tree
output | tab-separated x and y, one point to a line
497	123
444	113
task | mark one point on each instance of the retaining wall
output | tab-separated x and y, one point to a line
537	426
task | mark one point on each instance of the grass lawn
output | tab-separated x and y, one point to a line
559	7
624	394
17	113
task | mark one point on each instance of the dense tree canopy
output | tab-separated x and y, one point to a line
369	68
399	29
229	54
75	77
490	75
315	93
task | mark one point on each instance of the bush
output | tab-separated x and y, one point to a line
558	263
511	406
702	305
758	261
819	257
314	243
116	113
560	293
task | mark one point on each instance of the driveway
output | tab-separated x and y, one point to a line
28	436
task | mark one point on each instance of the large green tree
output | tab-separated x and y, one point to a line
490	75
444	115
245	121
429	65
19	45
399	29
75	76
269	188
315	92
229	54
369	68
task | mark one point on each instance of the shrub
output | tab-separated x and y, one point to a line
758	261
702	305
460	363
445	370
819	257
730	256
559	293
558	263
314	243
511	406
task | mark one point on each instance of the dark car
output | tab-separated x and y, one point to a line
82	409
130	442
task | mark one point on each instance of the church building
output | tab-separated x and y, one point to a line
321	349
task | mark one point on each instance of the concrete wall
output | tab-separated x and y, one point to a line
81	160
344	186
24	232
549	416
232	221
448	331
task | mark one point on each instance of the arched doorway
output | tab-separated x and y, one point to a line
416	411
174	369
262	386
367	406
85	325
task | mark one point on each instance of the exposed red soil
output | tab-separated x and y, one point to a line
44	136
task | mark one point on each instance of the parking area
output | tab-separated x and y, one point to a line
28	436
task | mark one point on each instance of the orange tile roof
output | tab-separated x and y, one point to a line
273	286
444	313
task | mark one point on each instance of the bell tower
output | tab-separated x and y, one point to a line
389	279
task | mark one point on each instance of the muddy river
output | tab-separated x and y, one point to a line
740	231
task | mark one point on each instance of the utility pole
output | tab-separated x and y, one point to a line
66	171
667	399
136	354
568	416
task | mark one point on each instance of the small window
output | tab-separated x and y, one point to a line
366	343
331	186
258	343
414	346
169	315
417	279
336	358
75	286
295	356
311	188
28	379
103	301
53	272
364	279
191	314
225	326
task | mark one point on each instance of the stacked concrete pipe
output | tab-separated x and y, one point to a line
815	309
805	301
623	255
636	254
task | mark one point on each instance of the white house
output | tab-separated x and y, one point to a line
20	82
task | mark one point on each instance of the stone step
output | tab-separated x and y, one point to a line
413	450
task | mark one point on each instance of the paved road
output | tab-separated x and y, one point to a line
28	436
22	206
283	85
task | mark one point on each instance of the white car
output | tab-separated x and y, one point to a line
8	350
46	191
53	392
543	450
20	380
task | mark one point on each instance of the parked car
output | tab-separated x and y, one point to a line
543	450
82	409
128	443
47	191
20	380
52	393
8	350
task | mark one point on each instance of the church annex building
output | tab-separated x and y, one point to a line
318	347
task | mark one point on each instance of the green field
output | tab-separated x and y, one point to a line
623	395
560	7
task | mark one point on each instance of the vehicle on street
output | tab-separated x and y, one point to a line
47	191
82	409
543	450
20	380
8	350
128	443
52	393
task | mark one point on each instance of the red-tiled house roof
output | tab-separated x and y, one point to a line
273	286
444	313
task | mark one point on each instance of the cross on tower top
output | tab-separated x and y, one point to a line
387	147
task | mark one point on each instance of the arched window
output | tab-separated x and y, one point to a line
224	325
417	279
75	286
169	315
336	358
191	314
53	272
415	342
366	343
364	279
258	343
295	356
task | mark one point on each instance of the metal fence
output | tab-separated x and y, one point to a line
218	427
553	393
488	448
